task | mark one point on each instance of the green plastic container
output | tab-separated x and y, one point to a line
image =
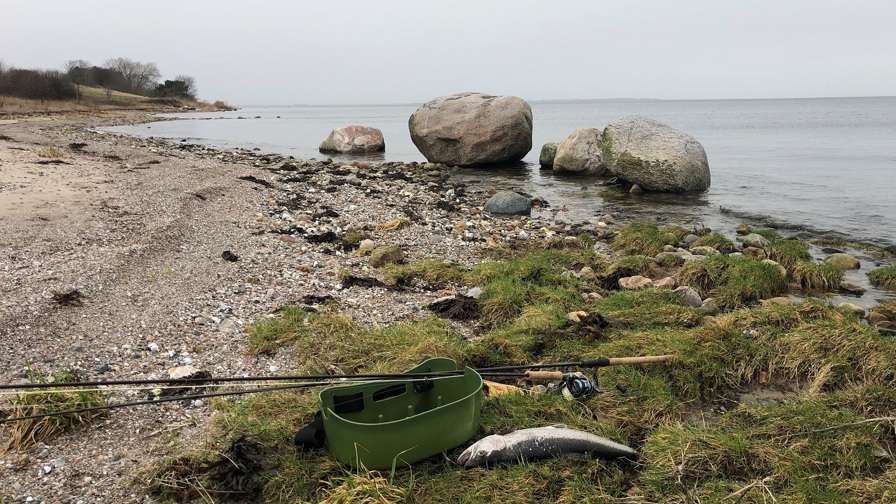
389	423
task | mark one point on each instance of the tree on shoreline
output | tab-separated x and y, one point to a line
141	77
79	73
183	86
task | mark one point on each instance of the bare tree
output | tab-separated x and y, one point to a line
190	89
79	73
140	76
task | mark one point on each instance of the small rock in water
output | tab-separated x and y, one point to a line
852	288
843	261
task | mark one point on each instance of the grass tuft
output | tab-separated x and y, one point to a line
884	277
641	238
820	277
717	241
25	434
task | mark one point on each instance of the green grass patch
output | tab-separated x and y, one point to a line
817	441
269	334
769	234
734	282
884	277
648	308
26	434
436	273
817	277
642	238
789	253
717	241
641	265
787	451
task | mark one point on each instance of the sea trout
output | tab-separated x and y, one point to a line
540	442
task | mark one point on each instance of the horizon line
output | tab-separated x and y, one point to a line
566	100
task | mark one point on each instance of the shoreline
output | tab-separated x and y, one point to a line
139	226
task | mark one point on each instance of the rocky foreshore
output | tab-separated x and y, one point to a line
124	257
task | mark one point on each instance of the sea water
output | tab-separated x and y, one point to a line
820	166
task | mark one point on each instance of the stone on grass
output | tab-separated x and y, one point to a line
654	156
780	300
781	269
858	310
704	250
667	283
469	129
382	256
636	282
688	296
755	240
508	203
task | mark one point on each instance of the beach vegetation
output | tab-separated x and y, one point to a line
785	402
25	434
717	241
769	234
733	281
884	277
646	239
789	253
50	152
816	277
637	264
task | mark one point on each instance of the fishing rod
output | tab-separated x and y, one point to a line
238	379
331	380
486	371
190	397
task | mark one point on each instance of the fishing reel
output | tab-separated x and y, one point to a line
579	386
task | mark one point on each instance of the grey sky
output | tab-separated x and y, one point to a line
362	51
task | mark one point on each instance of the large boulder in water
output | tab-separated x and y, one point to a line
468	129
654	156
354	140
580	153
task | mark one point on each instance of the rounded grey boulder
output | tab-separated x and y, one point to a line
469	129
354	140
508	203
654	156
580	152
547	154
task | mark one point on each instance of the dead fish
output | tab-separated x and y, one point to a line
540	442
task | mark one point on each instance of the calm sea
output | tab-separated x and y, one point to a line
818	166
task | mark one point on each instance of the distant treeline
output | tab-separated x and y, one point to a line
117	74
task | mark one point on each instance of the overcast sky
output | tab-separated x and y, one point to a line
364	51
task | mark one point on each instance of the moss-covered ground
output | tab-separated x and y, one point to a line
761	403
